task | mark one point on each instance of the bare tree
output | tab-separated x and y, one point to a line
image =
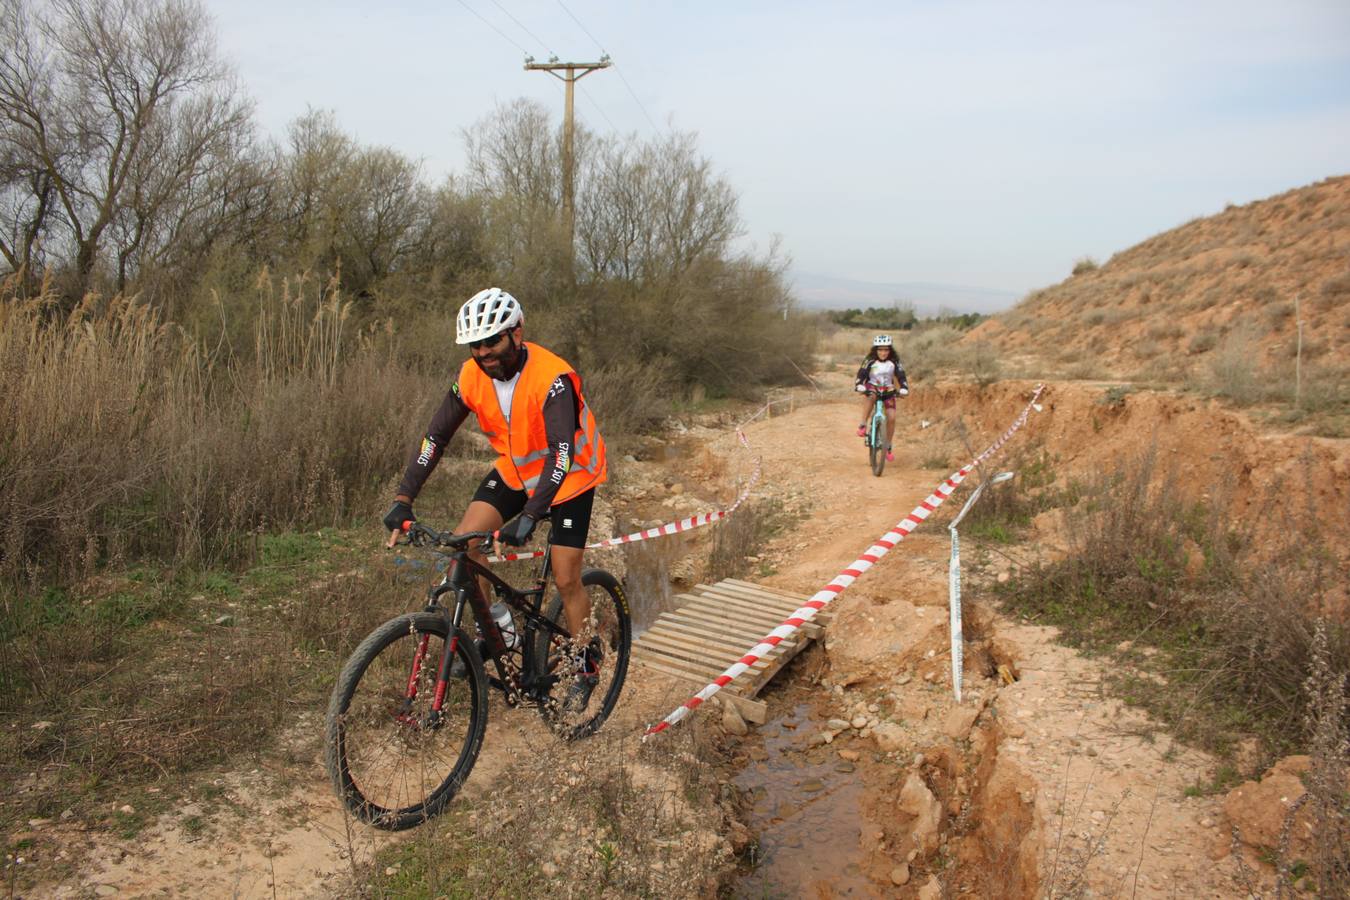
27	190
649	211
386	212
115	110
515	165
366	209
318	154
514	152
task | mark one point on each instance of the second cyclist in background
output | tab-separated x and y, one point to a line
881	376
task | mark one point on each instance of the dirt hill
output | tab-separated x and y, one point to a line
1217	292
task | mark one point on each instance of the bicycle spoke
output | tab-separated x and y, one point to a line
581	708
398	752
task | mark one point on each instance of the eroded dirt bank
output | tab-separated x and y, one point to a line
1036	785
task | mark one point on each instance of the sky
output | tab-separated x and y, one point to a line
980	144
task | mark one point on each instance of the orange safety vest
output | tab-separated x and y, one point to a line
522	446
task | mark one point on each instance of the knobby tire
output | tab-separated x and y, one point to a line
876	452
393	763
610	621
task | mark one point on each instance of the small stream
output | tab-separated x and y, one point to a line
806	809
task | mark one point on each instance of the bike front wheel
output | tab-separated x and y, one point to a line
576	710
397	749
876	452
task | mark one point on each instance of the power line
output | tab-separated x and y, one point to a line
591	100
569	73
632	93
582	27
595	104
600	109
532	35
504	35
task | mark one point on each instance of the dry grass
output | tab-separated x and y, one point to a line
607	817
1328	782
1150	565
147	676
743	536
938	348
130	440
845	346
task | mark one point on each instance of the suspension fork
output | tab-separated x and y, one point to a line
411	693
454	578
419	657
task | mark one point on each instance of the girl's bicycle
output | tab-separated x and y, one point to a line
409	710
876	435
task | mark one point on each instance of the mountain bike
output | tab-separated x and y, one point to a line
409	710
876	435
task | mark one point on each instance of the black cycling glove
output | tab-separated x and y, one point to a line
399	513
517	532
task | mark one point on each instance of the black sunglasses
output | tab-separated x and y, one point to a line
487	341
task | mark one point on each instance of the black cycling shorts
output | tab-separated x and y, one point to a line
571	520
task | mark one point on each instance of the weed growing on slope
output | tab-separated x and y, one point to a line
151	674
610	816
744	535
1210	636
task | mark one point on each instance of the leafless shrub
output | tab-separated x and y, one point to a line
740	537
302	436
1202	342
1234	369
1328	787
629	396
609	816
1147	349
1334	291
1150	563
927	351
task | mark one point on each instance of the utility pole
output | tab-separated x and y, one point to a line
574	72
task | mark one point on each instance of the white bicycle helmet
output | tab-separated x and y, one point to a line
881	340
487	313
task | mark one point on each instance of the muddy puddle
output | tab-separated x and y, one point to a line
805	807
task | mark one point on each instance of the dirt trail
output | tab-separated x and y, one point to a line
1054	788
1039	787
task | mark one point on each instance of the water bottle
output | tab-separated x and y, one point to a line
501	614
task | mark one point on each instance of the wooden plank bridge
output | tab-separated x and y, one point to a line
714	626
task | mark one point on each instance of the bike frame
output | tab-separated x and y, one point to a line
461	579
877	424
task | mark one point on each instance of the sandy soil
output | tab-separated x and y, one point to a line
1045	785
1103	796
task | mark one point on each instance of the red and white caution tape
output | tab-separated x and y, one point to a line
688	524
823	597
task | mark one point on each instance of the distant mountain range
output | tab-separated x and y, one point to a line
815	291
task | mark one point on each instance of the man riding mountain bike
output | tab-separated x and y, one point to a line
882	376
550	456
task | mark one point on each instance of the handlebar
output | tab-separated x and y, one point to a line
420	535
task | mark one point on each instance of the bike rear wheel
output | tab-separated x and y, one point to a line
609	629
395	760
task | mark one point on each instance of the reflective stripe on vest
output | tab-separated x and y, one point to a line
522	445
